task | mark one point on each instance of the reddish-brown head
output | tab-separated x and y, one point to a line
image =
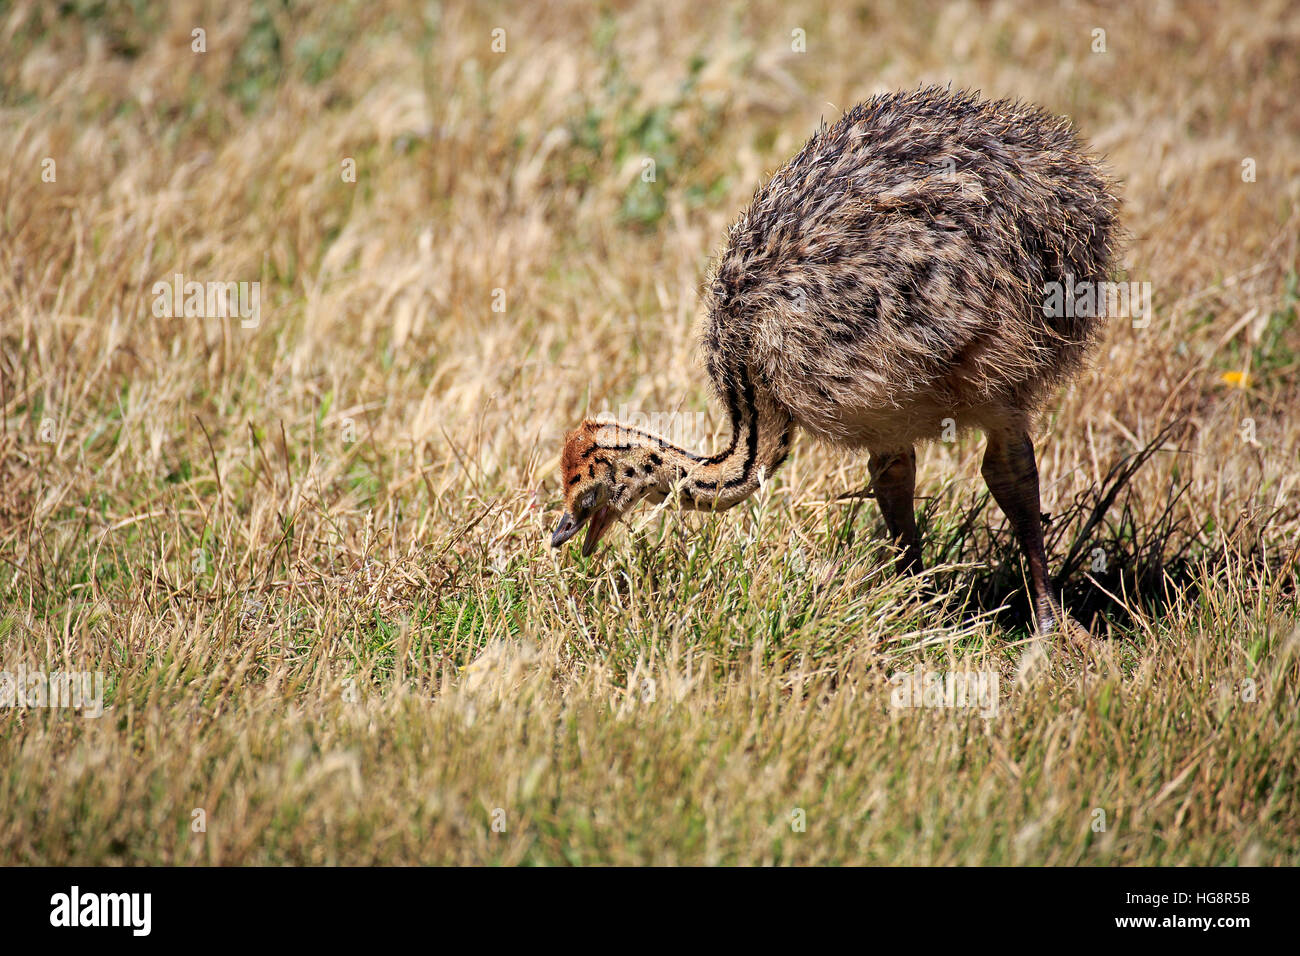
604	475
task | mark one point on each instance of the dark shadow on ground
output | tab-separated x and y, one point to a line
1110	553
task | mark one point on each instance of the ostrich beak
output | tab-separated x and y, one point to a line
565	530
596	528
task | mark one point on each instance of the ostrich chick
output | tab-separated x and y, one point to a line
889	282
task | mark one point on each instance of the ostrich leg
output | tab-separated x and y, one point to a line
1011	473
893	480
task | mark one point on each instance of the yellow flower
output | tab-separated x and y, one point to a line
1239	379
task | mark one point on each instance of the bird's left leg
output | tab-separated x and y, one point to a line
1011	473
893	480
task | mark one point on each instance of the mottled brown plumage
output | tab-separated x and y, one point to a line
888	282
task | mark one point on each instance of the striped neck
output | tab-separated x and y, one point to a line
761	435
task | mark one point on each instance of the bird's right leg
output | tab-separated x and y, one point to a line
893	481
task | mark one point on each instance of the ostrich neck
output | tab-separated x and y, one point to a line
761	434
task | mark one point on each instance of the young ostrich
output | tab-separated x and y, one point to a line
889	281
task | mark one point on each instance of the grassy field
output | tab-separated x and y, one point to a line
306	546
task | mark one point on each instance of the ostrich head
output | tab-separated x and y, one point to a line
606	471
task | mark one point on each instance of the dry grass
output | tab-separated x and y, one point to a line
310	556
